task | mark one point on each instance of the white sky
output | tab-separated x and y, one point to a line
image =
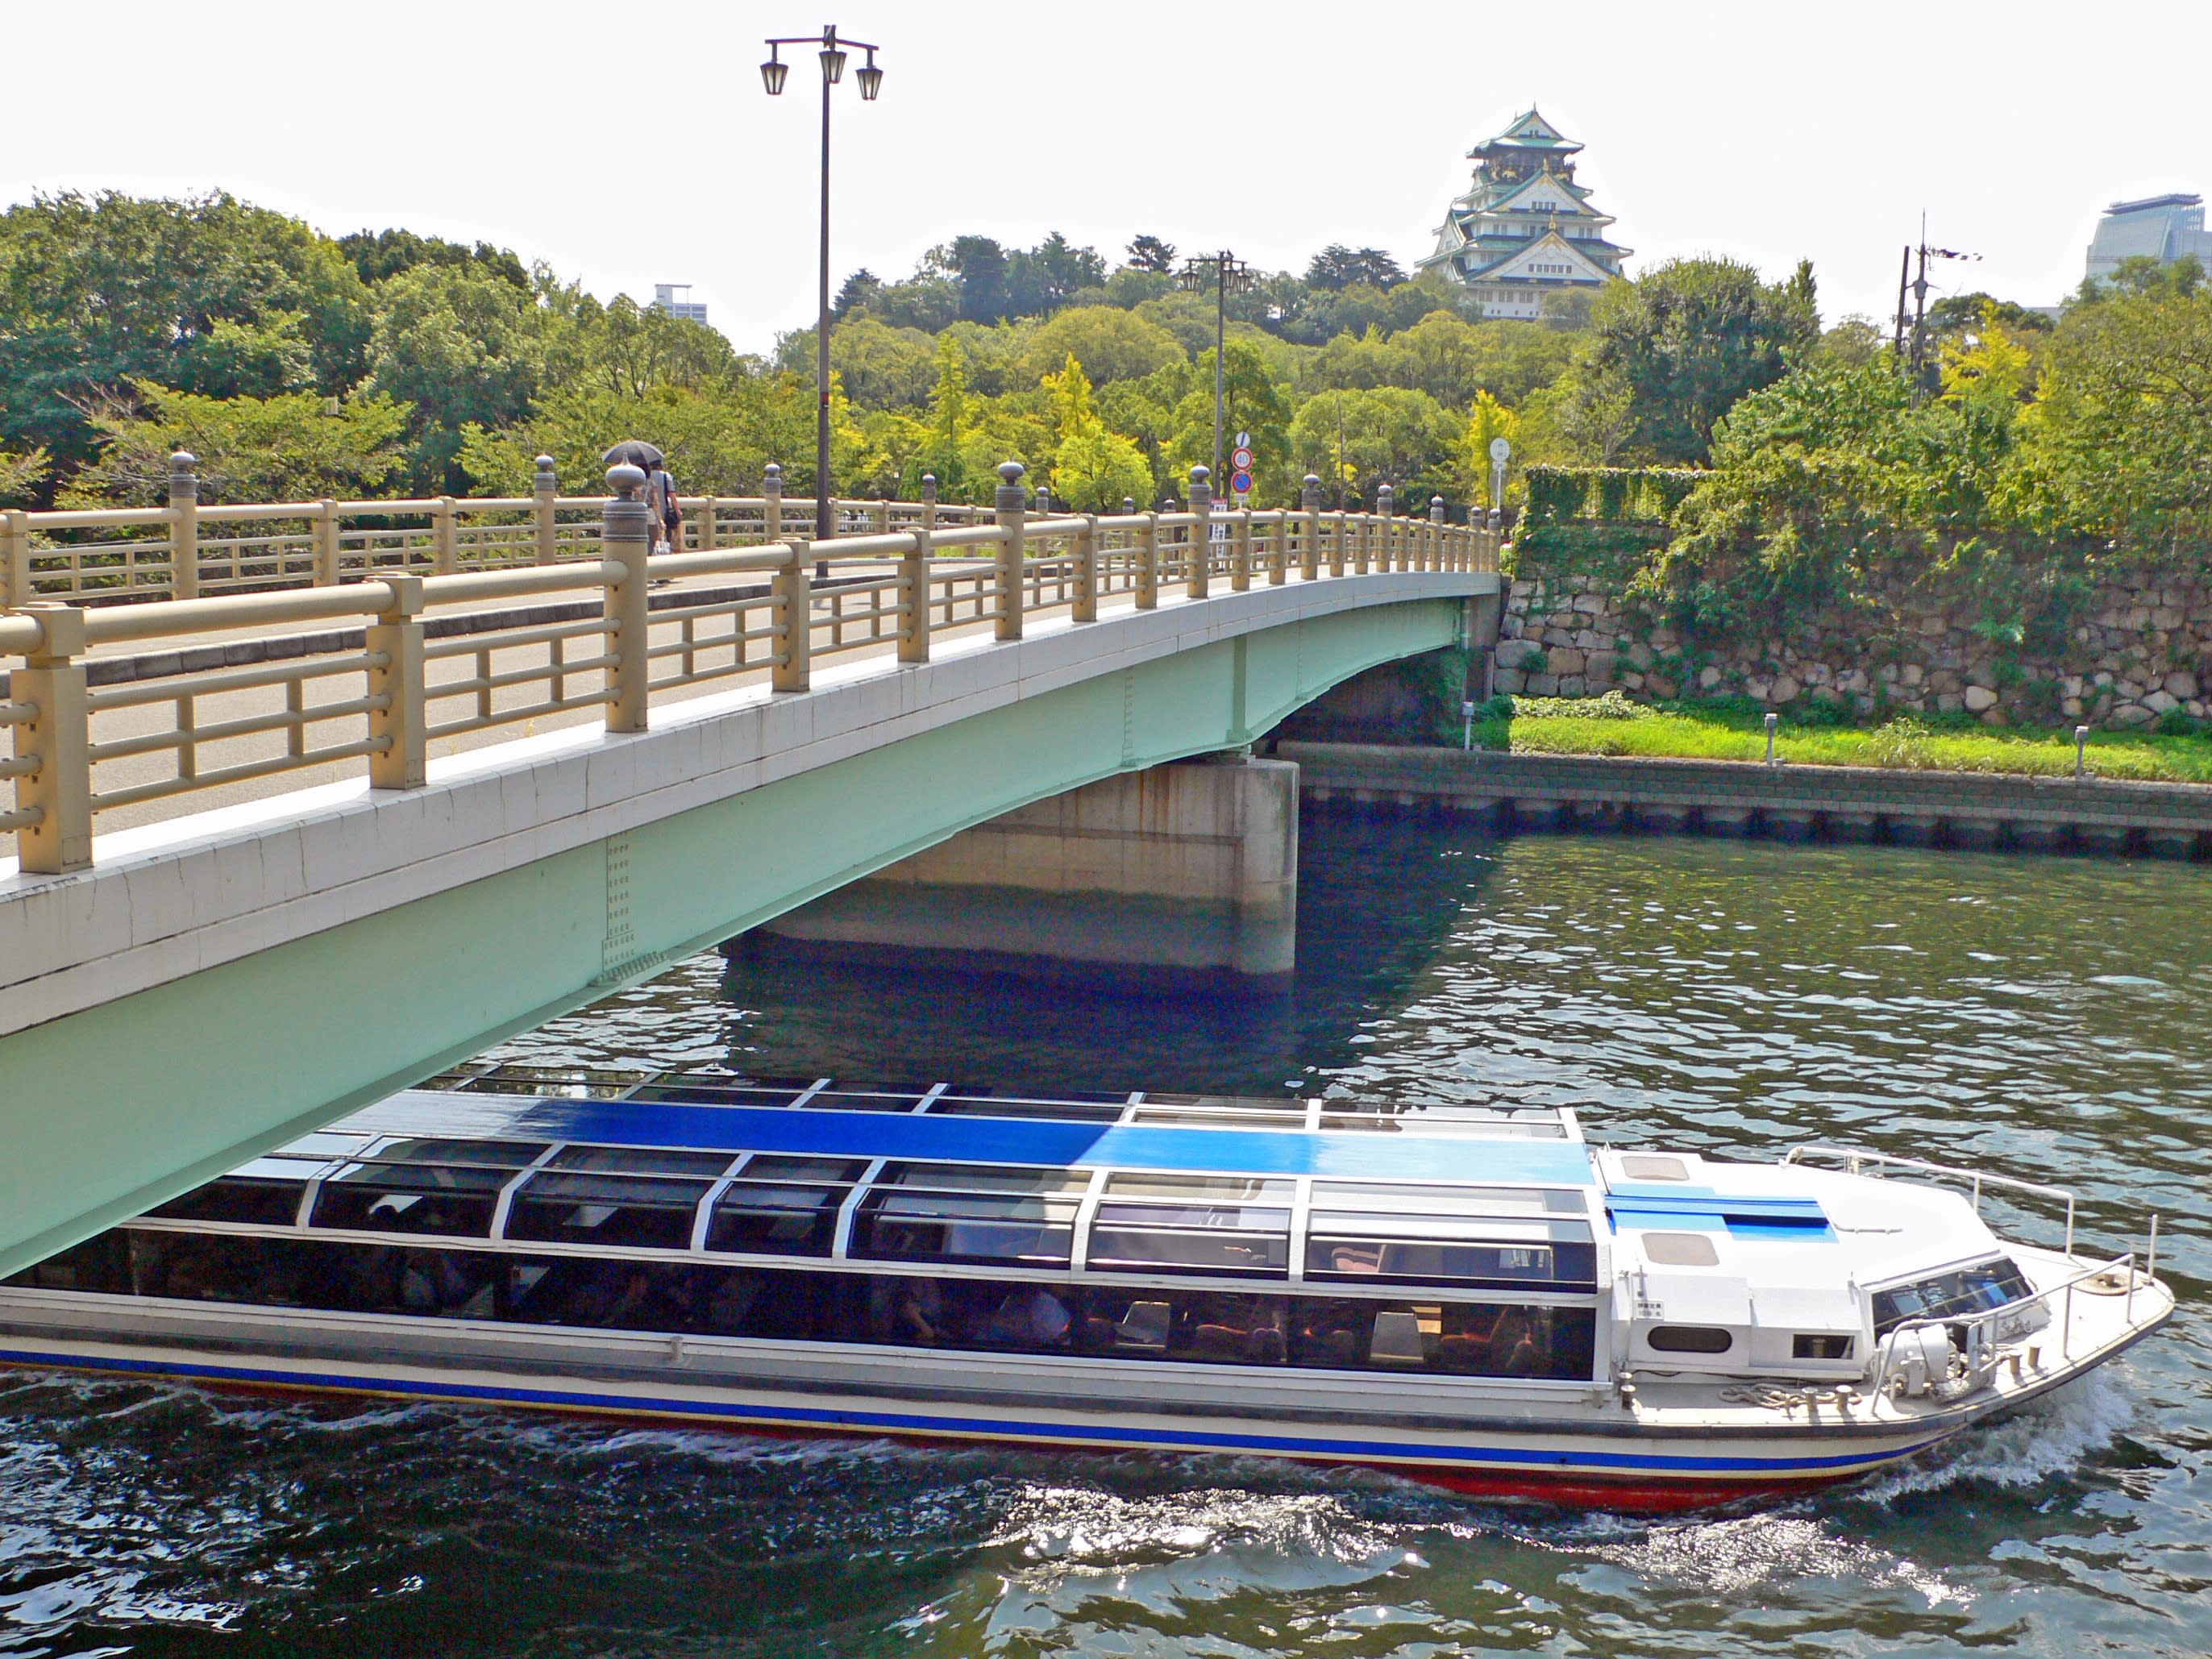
1765	129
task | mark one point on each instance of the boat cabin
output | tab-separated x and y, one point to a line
1437	1238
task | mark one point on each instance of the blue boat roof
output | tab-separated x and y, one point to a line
1051	1143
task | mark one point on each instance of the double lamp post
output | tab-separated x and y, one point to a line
773	72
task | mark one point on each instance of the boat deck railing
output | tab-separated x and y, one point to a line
1855	1160
1134	1107
1985	1333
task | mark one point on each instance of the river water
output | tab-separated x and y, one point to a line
2045	1018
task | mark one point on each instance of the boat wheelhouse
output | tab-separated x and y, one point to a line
1463	1294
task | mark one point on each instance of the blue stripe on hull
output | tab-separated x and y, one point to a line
903	1423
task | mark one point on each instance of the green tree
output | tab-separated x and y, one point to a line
20	474
459	348
1111	344
285	448
1682	343
208	295
1387	434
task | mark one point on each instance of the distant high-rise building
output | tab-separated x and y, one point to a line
2161	228
664	298
1527	229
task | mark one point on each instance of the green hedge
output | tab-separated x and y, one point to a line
1608	494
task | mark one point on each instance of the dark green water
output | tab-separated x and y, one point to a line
2049	1019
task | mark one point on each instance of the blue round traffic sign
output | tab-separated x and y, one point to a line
1240	483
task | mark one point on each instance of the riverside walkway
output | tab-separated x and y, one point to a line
501	793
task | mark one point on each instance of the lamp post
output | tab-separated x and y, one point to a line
872	83
1227	273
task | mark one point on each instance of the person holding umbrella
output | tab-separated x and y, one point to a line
660	490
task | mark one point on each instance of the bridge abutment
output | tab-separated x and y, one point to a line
1191	866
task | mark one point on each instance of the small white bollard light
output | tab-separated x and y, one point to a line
1466	716
1772	721
2080	744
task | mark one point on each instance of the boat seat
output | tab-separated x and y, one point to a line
1265	1347
1397	1340
1218	1342
1351	1258
1145	1325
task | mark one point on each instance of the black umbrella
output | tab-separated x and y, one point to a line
636	451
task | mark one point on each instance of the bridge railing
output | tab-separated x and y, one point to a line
228	690
189	549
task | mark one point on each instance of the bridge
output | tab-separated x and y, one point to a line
283	852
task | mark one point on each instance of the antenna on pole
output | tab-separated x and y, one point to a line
1920	286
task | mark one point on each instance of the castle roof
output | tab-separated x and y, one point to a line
1527	130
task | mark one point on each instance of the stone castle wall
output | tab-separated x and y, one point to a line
2140	650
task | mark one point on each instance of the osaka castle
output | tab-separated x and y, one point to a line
1526	228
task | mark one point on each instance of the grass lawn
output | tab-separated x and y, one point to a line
1615	726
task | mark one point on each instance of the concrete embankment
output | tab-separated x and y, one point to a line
1794	803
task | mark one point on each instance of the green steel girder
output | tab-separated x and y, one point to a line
106	1112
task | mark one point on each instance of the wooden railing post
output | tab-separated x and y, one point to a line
929	501
545	494
771	503
57	740
1279	567
1012	504
1148	563
1086	608
1198	568
794	669
1434	551
327	543
1239	551
913	592
396	636
1386	503
626	541
15	560
1310	503
184	526
703	534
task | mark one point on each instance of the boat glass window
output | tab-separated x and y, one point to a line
488	1154
1064	1110
1690	1338
1962	1294
1451	1249
266	1192
1391	1198
1193	1225
782	1207
410	1198
959	1213
1269	1329
590	1207
641	1160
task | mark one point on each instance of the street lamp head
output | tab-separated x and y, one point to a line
872	78
833	57
773	71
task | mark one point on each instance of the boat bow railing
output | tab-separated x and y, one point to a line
1986	1335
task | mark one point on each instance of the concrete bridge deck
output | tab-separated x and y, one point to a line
215	983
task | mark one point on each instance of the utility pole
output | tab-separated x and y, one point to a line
1920	299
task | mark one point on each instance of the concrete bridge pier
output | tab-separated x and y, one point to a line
1191	866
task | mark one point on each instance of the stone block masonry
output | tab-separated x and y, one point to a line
1790	803
2139	649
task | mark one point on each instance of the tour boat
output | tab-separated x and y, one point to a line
1468	1295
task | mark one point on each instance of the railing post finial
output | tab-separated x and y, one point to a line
626	541
184	526
1012	504
1197	566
